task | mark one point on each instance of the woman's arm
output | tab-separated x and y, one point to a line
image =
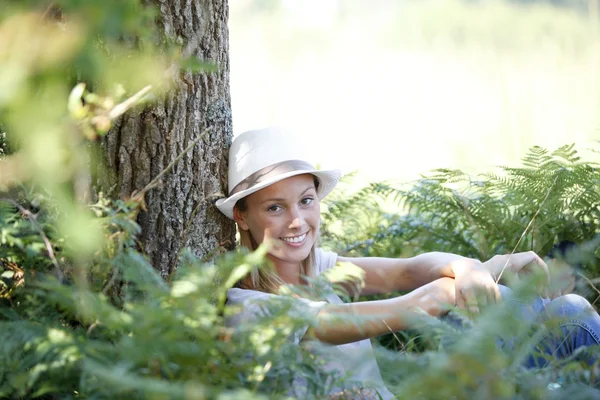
474	284
346	323
384	275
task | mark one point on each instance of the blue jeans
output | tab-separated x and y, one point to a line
577	325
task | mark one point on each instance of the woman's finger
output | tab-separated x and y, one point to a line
497	294
471	301
460	300
491	294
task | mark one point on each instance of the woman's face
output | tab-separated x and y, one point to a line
287	213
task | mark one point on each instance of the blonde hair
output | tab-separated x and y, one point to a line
263	279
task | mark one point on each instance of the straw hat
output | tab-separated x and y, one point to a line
262	157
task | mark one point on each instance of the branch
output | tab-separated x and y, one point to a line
102	121
33	219
591	283
527	228
122	107
138	196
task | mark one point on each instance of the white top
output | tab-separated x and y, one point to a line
355	359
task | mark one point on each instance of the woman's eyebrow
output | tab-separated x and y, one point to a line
307	189
277	199
273	199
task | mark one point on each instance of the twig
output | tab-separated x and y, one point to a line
527	228
48	10
103	121
111	281
122	107
138	196
92	326
33	219
590	283
393	333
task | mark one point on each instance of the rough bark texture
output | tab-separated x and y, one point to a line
181	212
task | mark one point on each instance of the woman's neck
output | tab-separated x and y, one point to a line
288	272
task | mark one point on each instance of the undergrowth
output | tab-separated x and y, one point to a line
113	328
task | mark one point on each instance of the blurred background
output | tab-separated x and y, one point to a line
394	88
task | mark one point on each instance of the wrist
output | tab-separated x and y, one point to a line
418	301
465	265
405	308
496	266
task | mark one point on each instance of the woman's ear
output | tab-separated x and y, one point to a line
240	218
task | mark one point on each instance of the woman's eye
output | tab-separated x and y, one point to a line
274	208
306	201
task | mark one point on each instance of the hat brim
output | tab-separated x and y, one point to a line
327	182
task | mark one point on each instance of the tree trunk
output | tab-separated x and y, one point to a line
181	212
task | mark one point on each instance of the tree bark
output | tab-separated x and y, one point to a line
181	212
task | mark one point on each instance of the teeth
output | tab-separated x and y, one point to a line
297	239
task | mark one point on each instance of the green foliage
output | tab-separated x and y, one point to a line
553	197
84	315
115	329
3	143
126	333
69	69
472	362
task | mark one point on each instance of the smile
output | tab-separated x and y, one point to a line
294	239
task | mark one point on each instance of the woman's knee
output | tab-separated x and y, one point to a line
577	319
573	300
569	305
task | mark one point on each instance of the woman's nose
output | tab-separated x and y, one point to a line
297	218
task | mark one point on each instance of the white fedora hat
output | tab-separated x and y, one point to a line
262	157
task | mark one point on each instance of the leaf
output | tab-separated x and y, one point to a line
138	270
75	104
9	314
182	288
8	274
253	259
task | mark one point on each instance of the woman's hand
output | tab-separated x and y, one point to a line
518	263
436	297
350	322
474	285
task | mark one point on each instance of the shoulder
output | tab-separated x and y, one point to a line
242	296
248	304
324	260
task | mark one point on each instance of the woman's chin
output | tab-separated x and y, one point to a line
290	253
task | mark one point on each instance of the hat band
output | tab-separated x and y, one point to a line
270	172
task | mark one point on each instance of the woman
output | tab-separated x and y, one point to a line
275	197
